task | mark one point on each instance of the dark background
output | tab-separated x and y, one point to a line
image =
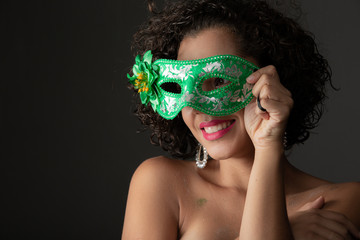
68	138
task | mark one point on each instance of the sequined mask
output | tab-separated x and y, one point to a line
216	85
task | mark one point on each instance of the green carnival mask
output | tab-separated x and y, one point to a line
216	85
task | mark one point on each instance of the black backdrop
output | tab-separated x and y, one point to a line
69	141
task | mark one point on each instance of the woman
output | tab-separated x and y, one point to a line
246	84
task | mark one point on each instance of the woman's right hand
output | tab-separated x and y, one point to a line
311	222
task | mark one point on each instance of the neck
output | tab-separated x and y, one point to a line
235	172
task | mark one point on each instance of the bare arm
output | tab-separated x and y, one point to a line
312	222
265	215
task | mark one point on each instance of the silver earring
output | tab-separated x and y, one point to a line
285	140
201	163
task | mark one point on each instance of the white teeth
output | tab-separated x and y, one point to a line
216	128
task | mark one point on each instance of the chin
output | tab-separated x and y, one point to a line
225	150
219	157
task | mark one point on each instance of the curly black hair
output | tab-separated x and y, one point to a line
265	34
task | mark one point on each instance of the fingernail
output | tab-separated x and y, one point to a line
250	78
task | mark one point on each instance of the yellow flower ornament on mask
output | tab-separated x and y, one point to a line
145	75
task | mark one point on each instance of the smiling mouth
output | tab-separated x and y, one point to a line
215	125
216	128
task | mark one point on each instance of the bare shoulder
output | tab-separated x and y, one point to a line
159	169
345	192
159	163
158	173
153	201
344	198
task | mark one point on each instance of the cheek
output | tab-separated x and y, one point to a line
188	115
241	124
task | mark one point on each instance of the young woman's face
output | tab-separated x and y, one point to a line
224	137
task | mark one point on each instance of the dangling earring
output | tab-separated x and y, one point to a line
201	163
285	140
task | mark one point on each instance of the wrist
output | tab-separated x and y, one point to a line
270	153
275	146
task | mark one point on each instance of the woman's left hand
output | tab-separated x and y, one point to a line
267	128
311	222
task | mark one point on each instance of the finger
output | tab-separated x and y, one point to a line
267	84
273	107
272	92
333	224
266	76
316	204
320	230
341	219
278	111
315	236
259	104
333	230
268	70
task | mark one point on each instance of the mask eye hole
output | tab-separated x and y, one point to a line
214	83
172	87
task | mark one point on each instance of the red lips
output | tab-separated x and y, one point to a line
218	134
213	123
